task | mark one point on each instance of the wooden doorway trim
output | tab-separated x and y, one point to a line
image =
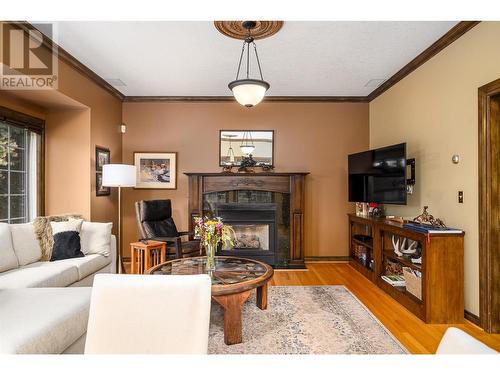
489	210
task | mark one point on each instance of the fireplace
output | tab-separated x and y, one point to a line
208	192
254	227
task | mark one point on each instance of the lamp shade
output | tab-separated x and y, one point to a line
118	175
249	92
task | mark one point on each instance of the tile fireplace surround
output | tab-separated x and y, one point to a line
280	192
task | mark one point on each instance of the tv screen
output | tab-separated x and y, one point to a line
378	176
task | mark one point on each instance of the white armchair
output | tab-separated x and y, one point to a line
149	314
456	341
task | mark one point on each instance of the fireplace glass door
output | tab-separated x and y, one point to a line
250	237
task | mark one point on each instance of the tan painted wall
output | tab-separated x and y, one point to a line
434	110
103	122
105	119
67	171
313	137
99	127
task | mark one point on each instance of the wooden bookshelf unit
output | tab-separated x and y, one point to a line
441	298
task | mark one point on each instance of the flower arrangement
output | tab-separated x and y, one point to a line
211	233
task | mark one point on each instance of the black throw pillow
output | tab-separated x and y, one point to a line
66	240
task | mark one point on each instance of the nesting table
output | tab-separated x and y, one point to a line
147	254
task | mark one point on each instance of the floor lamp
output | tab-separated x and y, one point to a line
119	175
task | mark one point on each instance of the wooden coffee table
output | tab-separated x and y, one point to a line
232	282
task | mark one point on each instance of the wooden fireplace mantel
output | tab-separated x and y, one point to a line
282	182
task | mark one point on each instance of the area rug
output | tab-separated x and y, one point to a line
305	320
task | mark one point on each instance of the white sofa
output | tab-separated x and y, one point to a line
38	313
456	341
20	265
43	320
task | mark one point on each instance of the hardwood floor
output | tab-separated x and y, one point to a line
414	334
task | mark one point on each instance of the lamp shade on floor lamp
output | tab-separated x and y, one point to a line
119	175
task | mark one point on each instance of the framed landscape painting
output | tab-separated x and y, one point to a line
102	157
156	170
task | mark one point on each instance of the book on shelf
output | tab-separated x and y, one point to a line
394	280
429	229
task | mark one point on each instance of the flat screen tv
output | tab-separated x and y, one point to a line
378	176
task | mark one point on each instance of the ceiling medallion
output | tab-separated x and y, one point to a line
236	30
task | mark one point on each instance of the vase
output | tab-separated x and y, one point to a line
210	250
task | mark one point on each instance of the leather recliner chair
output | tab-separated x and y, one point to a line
155	222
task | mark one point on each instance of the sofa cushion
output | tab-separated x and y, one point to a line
8	259
96	238
40	275
25	243
42	320
88	264
66	240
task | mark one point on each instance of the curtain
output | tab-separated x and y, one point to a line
34	140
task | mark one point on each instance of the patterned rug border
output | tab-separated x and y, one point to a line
374	318
360	304
389	333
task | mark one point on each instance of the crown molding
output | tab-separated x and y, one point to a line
453	34
288	99
69	59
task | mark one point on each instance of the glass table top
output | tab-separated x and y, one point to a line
228	270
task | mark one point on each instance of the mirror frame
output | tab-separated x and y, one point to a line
245	130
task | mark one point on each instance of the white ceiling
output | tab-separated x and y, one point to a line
194	59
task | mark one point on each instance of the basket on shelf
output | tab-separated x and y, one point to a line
413	282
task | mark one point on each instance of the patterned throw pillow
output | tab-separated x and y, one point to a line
66	239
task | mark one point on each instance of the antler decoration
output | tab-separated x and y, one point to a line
426	218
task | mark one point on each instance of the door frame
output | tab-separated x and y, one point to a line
487	208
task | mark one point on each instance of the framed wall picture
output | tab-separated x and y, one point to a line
99	189
156	170
102	156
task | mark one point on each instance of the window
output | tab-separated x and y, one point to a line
20	173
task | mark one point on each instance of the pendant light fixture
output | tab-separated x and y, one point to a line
249	91
247	145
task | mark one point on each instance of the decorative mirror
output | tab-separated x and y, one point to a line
235	145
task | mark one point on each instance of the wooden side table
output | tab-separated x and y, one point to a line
146	255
